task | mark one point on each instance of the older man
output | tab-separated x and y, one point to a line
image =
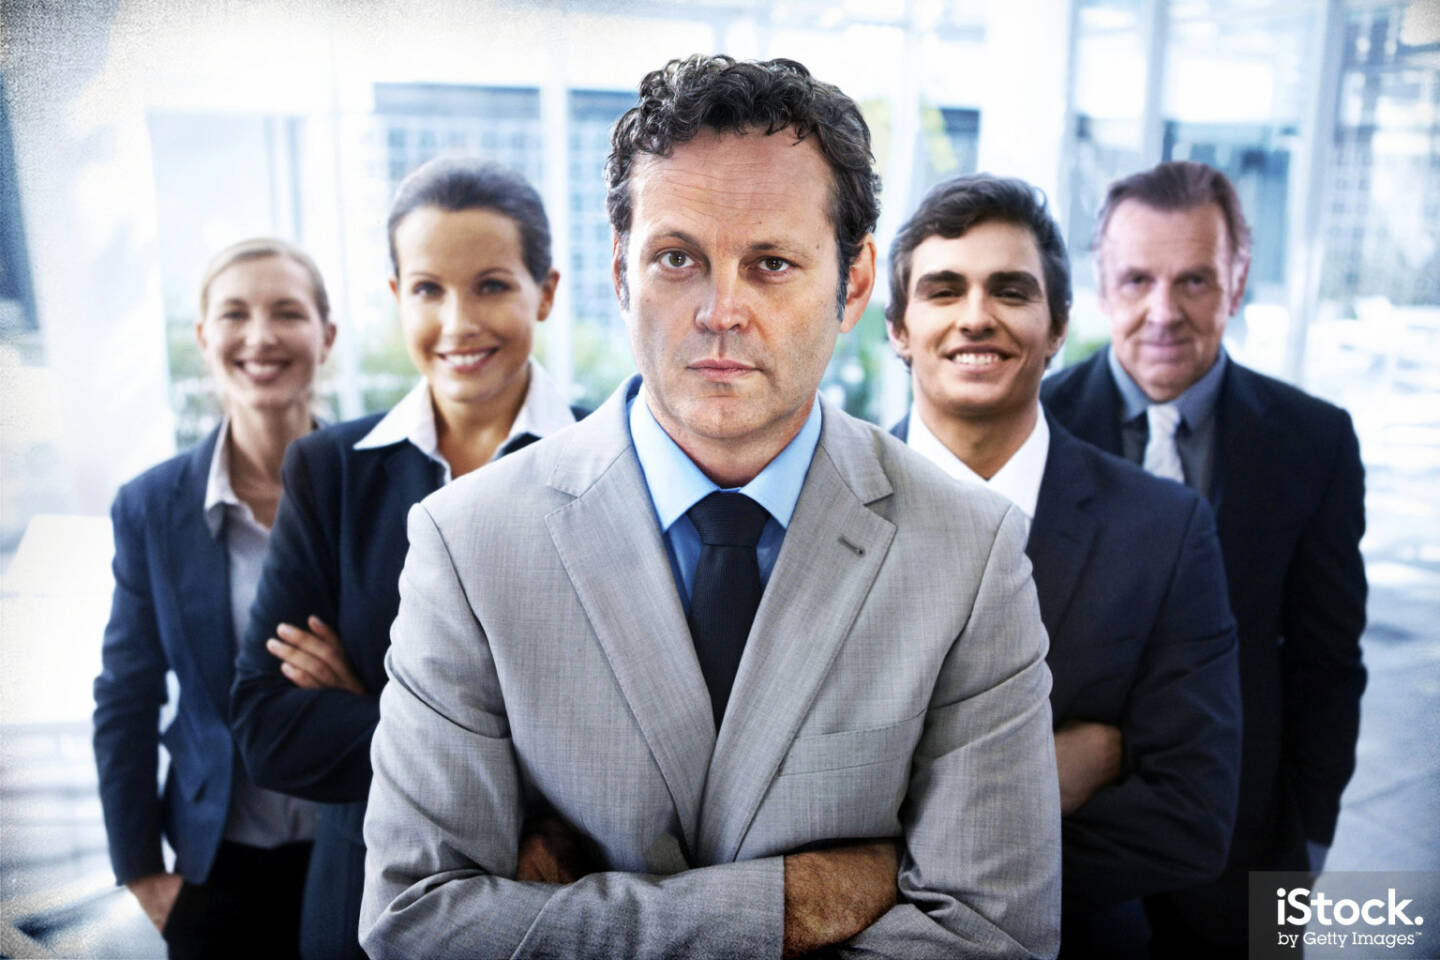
1142	644
1283	472
785	678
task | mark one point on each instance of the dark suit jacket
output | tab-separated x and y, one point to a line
1132	593
336	551
1289	502
171	611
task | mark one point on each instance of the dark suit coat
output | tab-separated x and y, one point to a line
336	552
171	611
1132	593
1289	502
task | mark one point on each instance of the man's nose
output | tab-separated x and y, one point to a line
1162	307
974	314
727	307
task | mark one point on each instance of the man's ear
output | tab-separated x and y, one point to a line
1237	295
617	269
899	339
1057	341
860	285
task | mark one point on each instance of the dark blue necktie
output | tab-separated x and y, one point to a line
727	588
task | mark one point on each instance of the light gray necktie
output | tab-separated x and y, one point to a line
1161	456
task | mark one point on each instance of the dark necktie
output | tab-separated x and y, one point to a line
727	588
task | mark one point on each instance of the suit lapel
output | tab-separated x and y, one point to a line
610	545
833	550
1063	528
198	570
1245	456
1096	409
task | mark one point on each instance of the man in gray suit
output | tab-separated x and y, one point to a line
784	677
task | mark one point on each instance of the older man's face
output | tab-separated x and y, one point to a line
732	277
1168	282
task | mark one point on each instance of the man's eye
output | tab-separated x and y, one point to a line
1012	293
676	258
774	264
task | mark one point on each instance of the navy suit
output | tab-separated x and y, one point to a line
171	611
1132	592
336	551
1288	494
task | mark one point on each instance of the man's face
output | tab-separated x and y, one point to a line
977	326
1168	282
732	275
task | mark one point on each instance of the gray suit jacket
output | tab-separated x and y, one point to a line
893	685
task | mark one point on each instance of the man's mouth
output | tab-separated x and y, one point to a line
721	370
977	358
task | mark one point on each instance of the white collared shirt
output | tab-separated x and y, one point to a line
257	817
1018	480
544	411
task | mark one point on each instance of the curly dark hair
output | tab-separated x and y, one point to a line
470	183
952	208
729	95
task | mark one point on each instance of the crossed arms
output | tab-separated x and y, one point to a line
978	870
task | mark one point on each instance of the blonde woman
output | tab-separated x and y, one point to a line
190	537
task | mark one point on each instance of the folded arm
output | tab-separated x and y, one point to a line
980	873
312	743
1165	823
446	811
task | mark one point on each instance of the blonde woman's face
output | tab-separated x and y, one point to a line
262	335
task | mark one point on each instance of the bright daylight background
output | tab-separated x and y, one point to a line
136	138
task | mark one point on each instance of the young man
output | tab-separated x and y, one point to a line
1283	472
785	678
1142	643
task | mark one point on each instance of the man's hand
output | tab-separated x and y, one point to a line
1088	756
314	658
156	893
552	851
831	895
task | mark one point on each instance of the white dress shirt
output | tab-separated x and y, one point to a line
1018	480
544	411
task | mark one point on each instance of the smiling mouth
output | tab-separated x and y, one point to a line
467	362
262	370
976	358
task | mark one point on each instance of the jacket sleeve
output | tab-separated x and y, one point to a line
437	870
1166	823
1322	619
309	743
128	695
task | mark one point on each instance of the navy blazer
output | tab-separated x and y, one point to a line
1289	501
336	551
1132	592
171	611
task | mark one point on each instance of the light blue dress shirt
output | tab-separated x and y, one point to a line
1195	438
676	485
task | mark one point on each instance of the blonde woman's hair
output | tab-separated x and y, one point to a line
259	248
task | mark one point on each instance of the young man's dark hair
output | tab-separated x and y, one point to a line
1178	185
737	96
956	206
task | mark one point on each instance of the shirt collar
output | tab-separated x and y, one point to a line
543	412
1196	404
676	484
219	493
1018	480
